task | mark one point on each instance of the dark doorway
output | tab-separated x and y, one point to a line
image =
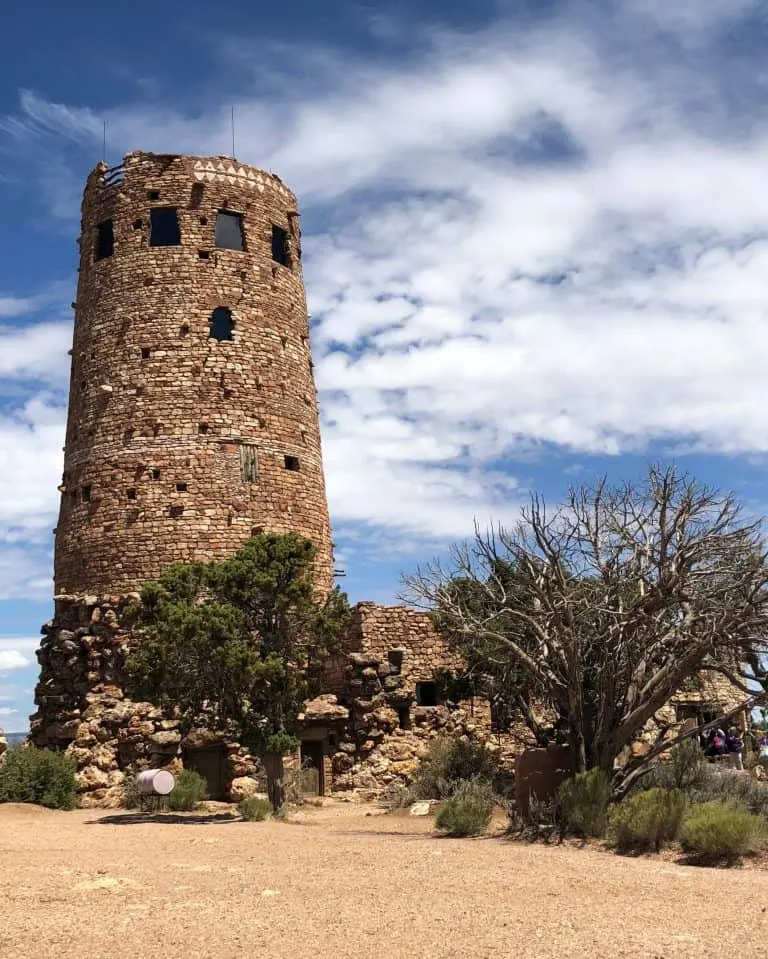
211	764
312	753
426	694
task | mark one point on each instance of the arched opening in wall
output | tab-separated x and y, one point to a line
221	324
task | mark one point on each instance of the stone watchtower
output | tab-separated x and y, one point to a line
192	424
193	420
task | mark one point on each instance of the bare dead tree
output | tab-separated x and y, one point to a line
603	607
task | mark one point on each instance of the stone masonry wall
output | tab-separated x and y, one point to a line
181	446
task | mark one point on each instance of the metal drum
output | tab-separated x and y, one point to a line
157	781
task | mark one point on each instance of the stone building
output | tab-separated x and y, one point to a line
193	425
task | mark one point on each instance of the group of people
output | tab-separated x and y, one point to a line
718	744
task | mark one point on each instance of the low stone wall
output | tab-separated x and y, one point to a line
83	708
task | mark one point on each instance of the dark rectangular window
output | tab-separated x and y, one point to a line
105	240
426	694
280	252
86	494
164	227
229	230
292	463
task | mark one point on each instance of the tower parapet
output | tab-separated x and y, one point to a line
193	420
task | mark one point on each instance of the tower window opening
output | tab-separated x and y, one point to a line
183	329
221	324
105	240
202	428
229	230
86	494
164	227
204	254
154	194
145	352
257	530
181	487
176	511
292	464
280	251
156	474
128	435
130	494
138	224
203	221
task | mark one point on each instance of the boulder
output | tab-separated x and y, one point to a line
323	709
3	742
243	788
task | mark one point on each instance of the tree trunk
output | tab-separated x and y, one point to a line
273	765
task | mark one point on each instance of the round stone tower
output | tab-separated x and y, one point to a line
193	420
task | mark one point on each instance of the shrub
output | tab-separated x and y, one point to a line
189	791
583	803
729	786
685	769
449	762
41	776
254	808
468	811
719	831
647	820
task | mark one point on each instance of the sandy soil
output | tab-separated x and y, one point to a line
344	881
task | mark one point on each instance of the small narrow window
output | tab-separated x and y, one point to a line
203	221
280	253
204	254
249	463
145	352
176	511
426	694
181	487
202	428
86	494
196	195
257	530
183	329
221	324
229	230
164	227
395	658
156	474
292	463
105	240
154	194
138	224
130	494
404	717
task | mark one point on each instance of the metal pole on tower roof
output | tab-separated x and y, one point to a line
233	133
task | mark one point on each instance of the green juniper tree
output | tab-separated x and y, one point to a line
238	645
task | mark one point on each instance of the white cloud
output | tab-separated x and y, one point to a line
523	237
7	711
12	659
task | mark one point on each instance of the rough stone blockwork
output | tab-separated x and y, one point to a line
193	413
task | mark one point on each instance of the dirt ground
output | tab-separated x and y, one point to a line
348	882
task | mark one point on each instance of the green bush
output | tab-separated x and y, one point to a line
721	832
647	820
189	791
583	803
41	776
686	768
449	762
730	786
468	811
254	808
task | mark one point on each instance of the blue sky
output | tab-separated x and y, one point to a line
536	246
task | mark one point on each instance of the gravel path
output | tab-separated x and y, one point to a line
343	882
